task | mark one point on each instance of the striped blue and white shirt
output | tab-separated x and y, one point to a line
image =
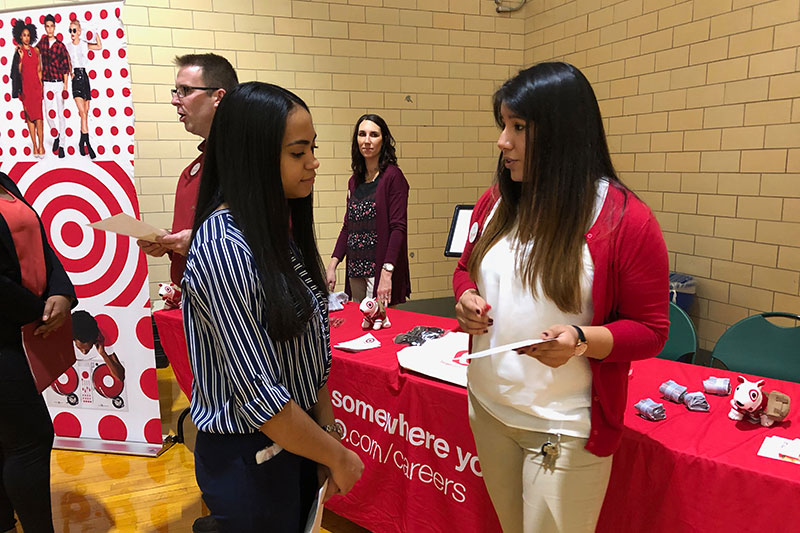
242	377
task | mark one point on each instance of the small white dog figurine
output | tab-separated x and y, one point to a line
374	314
751	403
170	294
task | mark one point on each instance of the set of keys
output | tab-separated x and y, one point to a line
551	450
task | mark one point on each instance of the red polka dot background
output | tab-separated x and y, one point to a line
90	400
109	77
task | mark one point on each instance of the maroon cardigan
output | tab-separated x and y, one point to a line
391	220
630	296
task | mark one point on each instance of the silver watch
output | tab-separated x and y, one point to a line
388	267
335	428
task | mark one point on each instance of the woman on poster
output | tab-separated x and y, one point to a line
33	288
374	235
26	76
558	249
78	49
256	319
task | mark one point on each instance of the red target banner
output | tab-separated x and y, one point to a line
67	142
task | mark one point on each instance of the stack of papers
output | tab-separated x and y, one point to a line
780	448
364	342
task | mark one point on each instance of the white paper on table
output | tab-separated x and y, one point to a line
791	450
773	446
439	358
503	348
314	522
127	225
364	342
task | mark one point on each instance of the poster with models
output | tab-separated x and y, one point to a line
67	141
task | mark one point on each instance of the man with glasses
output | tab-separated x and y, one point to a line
201	82
55	76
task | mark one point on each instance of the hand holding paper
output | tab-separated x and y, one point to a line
503	348
124	224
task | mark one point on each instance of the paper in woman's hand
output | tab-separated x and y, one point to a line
127	225
503	348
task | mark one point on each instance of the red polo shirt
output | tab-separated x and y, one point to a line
185	202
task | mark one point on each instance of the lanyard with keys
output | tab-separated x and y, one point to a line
551	450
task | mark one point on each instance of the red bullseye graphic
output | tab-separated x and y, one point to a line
71	234
67	383
457	358
106	383
99	263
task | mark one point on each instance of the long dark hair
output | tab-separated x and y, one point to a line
565	154
387	156
243	169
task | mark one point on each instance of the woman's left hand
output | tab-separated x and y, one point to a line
384	293
56	310
323	473
557	353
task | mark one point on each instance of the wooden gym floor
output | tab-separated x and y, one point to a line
104	493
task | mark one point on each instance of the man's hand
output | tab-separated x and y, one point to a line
56	310
177	242
152	248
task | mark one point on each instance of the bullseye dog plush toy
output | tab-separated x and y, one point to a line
374	314
751	402
170	294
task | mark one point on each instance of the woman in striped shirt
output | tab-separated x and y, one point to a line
256	320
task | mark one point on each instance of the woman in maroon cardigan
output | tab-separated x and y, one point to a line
374	236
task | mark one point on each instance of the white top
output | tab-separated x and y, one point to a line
517	389
78	53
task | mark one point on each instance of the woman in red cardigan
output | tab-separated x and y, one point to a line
374	236
558	249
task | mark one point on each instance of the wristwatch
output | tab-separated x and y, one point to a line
335	429
582	345
388	267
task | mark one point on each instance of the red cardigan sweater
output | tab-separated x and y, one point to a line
630	294
391	220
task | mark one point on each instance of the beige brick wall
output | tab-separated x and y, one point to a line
427	66
701	101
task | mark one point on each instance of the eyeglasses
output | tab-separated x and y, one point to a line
73	30
184	90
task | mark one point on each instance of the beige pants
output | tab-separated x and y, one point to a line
361	288
528	495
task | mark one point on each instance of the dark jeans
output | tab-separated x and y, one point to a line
243	496
26	438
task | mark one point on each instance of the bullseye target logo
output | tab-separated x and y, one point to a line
100	264
69	148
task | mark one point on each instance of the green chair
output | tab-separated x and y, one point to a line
682	341
755	345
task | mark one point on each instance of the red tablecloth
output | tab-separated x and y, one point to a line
421	469
693	472
699	472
